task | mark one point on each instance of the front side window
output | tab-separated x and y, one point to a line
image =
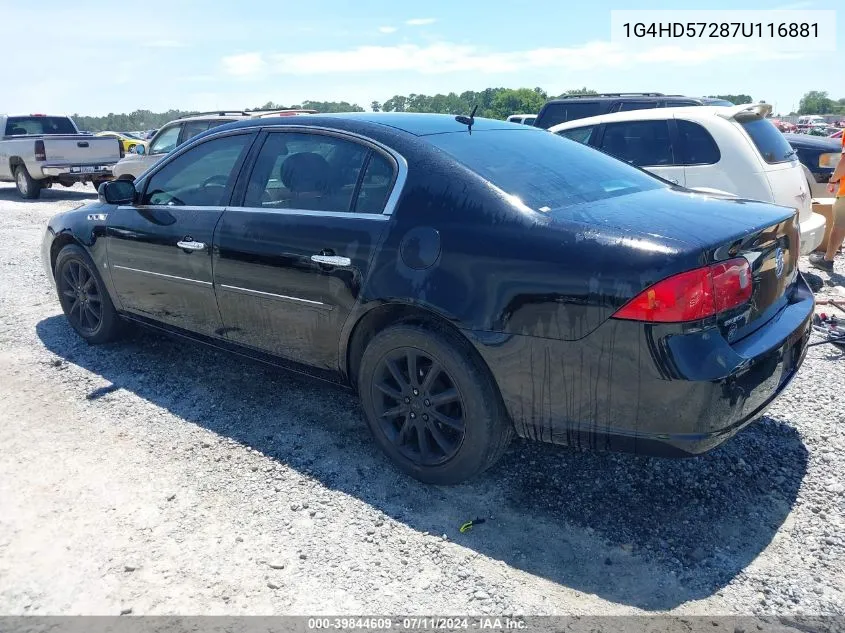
627	106
315	172
543	171
202	176
641	143
580	134
696	145
166	141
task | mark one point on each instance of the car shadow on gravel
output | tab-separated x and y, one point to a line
650	533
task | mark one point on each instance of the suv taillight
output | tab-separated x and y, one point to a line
693	295
40	152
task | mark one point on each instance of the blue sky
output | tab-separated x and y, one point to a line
78	57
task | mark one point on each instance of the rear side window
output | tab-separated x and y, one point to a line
581	134
768	140
641	143
695	145
543	171
627	106
191	128
555	113
19	125
529	120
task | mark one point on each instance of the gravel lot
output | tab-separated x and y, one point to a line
162	477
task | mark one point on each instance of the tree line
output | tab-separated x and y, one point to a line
495	103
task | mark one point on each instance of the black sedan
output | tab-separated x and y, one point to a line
819	156
471	279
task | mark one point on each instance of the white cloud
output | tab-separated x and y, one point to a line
445	57
420	21
164	44
244	65
387	29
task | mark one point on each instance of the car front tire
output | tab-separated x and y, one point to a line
431	405
84	298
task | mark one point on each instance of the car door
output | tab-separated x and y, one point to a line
647	144
159	249
293	255
699	153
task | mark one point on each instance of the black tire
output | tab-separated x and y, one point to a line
465	393
28	188
84	298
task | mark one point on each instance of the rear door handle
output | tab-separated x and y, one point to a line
191	245
331	260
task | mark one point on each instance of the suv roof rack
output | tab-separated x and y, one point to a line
617	94
219	113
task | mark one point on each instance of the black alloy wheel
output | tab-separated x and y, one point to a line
419	406
81	291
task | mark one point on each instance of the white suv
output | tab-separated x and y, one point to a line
733	150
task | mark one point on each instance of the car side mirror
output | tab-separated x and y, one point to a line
117	192
139	149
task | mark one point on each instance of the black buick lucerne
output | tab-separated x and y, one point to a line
470	278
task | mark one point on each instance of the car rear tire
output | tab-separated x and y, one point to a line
84	298
431	406
28	188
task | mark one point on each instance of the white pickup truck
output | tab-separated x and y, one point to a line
37	150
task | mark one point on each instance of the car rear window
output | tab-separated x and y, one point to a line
543	170
17	125
555	113
768	140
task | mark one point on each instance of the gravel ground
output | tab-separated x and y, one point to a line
157	476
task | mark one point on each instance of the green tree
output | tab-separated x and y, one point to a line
375	106
578	91
520	101
815	102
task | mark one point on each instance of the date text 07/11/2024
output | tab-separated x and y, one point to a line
417	623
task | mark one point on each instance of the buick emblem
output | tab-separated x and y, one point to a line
778	262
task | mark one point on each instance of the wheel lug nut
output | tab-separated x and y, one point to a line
416	392
413	415
427	402
425	417
407	401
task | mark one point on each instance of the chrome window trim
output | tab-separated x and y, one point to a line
150	272
377	217
401	162
273	295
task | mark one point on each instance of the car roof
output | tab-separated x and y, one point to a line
418	124
698	113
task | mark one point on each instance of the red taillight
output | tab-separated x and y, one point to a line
693	295
40	152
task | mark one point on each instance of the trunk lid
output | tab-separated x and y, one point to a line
80	149
709	228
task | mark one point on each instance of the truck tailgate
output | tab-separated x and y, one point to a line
81	150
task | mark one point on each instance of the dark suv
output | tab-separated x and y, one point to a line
581	106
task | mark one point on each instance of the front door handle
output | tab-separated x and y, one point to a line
331	260
191	245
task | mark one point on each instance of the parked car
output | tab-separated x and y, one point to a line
574	107
38	150
819	157
177	132
128	141
783	126
809	120
526	119
732	150
837	134
469	286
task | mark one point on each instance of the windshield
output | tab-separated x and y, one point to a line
543	170
768	140
19	125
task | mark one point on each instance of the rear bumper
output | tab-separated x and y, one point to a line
76	172
647	389
812	233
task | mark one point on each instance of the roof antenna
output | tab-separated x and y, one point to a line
469	121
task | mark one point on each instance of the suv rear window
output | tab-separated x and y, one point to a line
17	125
771	144
543	170
554	113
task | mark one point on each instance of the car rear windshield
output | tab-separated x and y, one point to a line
771	144
555	113
543	170
17	125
